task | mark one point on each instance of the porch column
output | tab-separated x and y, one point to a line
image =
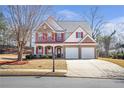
44	50
63	51
35	50
79	53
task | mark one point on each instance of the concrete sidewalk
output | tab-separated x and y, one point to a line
94	68
43	72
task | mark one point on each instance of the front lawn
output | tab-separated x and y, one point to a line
32	64
119	62
38	64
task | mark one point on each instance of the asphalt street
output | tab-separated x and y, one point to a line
58	82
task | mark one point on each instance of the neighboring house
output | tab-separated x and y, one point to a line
68	39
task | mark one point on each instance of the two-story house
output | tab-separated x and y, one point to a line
66	39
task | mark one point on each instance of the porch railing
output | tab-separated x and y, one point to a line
49	40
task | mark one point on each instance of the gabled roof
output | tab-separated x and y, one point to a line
51	22
67	26
70	26
88	39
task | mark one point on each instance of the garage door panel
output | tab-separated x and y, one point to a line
87	52
71	52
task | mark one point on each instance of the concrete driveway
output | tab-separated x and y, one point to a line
93	68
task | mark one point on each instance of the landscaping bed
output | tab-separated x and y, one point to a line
13	62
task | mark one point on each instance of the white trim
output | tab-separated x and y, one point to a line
53	30
76	30
89	37
60	44
50	17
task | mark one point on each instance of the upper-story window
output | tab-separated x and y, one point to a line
58	35
39	36
79	34
49	34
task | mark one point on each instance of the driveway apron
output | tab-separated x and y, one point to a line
93	68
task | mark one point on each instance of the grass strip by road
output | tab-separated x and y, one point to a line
30	72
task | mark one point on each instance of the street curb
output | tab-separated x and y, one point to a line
31	72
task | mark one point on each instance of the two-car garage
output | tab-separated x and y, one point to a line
71	52
79	52
87	52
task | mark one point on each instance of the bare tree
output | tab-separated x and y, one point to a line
23	20
3	30
95	20
106	40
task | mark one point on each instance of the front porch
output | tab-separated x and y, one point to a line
49	50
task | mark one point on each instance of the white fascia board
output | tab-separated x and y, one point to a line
89	37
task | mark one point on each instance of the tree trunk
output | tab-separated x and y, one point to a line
30	40
106	53
20	53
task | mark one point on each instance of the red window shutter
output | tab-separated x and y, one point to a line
62	34
81	34
76	34
36	49
36	37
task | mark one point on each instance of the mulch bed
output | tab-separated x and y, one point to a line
13	62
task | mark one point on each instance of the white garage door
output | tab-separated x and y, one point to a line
71	52
87	52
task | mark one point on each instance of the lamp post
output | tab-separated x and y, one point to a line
53	56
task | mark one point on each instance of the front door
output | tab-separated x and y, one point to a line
58	52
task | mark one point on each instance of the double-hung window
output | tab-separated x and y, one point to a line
79	34
59	37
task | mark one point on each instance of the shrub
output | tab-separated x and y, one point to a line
28	57
114	56
40	56
119	55
50	56
45	56
123	56
33	56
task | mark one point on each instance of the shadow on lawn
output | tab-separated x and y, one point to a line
9	58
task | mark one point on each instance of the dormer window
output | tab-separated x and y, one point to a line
79	34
